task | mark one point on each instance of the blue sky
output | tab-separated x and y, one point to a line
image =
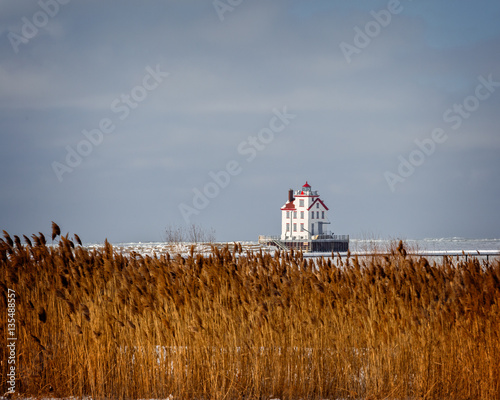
218	80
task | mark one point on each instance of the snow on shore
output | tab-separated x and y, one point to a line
360	247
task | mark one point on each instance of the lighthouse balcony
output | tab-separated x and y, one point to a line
325	242
306	193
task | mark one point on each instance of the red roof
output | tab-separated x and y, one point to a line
289	206
314	202
306	185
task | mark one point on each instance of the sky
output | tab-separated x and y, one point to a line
119	119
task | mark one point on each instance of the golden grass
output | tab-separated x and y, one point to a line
235	325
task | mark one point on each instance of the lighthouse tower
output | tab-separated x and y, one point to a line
304	215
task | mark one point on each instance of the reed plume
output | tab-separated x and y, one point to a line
55	230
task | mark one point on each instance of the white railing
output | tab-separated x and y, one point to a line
324	236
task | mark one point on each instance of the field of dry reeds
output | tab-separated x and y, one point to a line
239	325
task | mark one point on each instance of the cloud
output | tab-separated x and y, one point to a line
353	119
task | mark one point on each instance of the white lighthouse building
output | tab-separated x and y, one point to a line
304	220
304	215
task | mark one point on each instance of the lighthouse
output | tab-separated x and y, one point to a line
305	224
304	215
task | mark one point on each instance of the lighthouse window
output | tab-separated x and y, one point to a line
295	214
302	227
288	214
295	227
312	215
301	203
317	205
317	214
322	214
288	227
302	214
